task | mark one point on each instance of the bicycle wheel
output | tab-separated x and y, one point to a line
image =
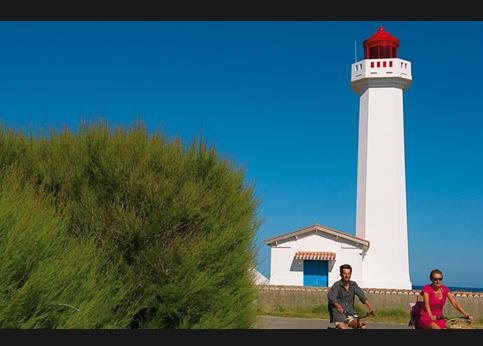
458	323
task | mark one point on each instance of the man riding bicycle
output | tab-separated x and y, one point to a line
341	300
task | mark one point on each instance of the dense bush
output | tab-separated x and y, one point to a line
123	229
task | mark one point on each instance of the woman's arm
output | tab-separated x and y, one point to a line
427	307
457	306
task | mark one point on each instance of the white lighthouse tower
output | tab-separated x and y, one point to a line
380	80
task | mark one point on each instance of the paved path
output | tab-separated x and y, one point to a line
274	322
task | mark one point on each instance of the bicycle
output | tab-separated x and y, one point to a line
358	318
451	323
456	322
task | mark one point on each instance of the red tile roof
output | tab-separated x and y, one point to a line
315	255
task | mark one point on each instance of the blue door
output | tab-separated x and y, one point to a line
316	273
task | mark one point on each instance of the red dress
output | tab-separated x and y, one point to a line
436	306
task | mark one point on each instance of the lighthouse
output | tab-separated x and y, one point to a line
380	80
378	253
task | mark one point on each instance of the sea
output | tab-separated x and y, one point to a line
461	289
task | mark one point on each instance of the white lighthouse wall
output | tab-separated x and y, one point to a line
285	270
381	188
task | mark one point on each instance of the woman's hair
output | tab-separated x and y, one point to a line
435	271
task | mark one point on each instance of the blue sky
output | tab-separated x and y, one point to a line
275	97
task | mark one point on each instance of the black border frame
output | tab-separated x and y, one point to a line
182	10
241	11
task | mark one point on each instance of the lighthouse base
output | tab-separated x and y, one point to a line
403	285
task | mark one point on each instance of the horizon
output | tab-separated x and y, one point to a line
275	98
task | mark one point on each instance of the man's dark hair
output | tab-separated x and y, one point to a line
345	266
435	271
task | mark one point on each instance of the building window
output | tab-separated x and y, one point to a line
378	64
383	64
390	63
372	63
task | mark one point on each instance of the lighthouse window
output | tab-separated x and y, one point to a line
385	52
373	53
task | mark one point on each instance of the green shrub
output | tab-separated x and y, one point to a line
48	277
171	227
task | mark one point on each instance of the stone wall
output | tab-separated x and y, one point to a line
273	297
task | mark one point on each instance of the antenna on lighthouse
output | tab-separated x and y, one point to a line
355	51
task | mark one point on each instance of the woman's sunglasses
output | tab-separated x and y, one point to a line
437	279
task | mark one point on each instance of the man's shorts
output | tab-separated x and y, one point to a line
348	320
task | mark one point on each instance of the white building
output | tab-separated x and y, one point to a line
258	277
311	256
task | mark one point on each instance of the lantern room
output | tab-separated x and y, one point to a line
381	45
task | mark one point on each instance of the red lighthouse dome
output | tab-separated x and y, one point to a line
381	45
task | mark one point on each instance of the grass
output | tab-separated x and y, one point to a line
388	316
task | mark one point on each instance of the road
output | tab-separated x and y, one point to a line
274	322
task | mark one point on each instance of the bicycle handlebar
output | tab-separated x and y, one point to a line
370	313
448	318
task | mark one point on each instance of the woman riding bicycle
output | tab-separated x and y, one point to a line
434	298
